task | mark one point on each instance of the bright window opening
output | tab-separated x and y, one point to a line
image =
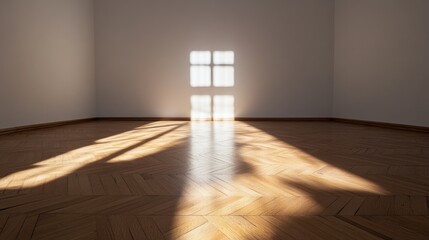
223	57
212	70
201	107
223	107
223	76
200	76
201	57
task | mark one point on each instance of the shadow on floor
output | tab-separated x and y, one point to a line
114	176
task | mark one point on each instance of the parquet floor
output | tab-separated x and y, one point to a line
214	180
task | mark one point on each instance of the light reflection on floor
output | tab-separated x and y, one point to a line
222	168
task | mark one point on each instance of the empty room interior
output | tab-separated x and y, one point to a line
214	119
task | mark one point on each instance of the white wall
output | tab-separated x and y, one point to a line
382	61
46	61
283	48
284	58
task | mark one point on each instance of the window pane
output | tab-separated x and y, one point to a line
223	76
223	107
200	76
224	57
201	57
201	107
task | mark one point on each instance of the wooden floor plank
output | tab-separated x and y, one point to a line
214	180
12	227
27	229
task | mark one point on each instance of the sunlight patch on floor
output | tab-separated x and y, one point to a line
124	147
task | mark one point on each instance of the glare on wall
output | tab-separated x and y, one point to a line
223	76
200	76
223	107
223	57
201	72
201	58
209	70
201	107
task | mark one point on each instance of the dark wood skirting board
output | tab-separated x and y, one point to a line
143	118
342	120
251	119
41	126
383	125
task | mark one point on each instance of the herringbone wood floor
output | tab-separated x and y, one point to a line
214	180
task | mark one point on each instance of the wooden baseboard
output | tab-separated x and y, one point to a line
309	119
251	119
151	119
384	125
342	120
41	126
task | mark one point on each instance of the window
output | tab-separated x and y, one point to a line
212	70
223	71
202	67
201	107
223	107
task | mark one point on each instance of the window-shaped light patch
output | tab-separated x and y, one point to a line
223	57
223	76
200	76
201	107
223	107
201	57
